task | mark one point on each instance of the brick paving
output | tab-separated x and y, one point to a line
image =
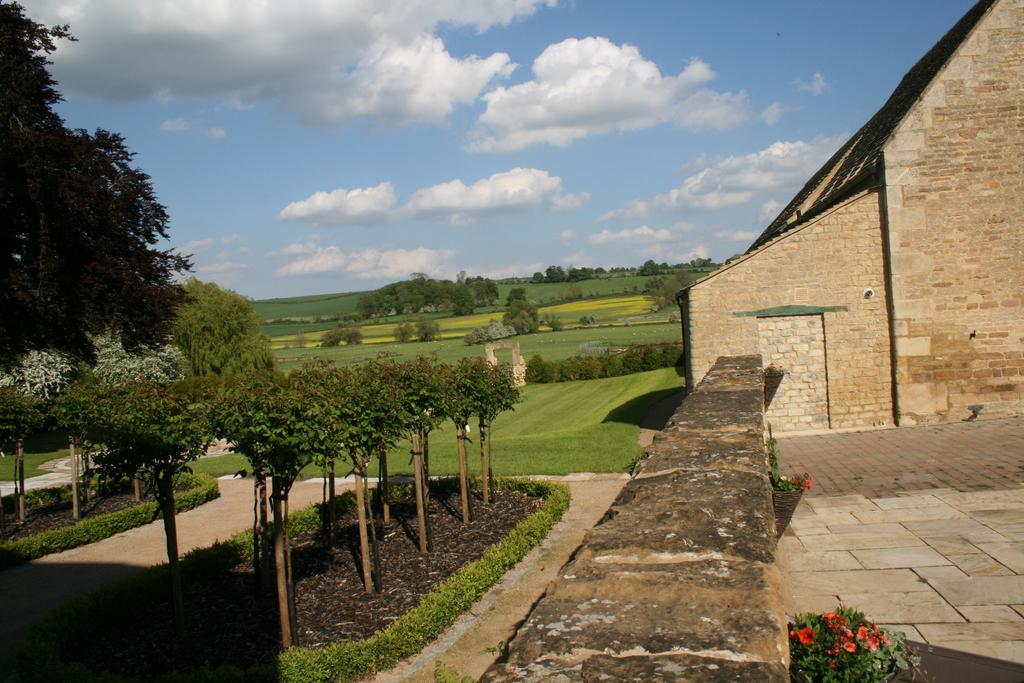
963	456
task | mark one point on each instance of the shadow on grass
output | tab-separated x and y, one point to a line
640	411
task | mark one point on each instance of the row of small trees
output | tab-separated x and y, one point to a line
318	414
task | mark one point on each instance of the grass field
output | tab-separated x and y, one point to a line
611	310
546	292
586	426
38	449
551	345
306	306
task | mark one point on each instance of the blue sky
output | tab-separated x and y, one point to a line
306	147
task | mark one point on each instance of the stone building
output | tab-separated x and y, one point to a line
891	288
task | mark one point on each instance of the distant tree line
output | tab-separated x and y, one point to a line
423	294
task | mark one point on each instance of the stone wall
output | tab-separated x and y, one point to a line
955	192
678	580
796	343
829	262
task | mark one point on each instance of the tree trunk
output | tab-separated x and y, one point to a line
425	445
293	619
421	516
283	607
75	512
137	488
165	490
460	435
264	531
378	579
332	513
20	450
383	492
485	466
85	475
364	546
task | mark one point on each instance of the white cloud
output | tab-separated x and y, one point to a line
175	126
221	268
816	86
216	133
511	270
341	206
769	210
370	263
324	62
204	244
632	235
737	180
665	254
736	235
588	86
514	190
566	236
772	114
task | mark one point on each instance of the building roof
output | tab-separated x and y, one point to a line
856	160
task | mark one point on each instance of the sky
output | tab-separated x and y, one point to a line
315	146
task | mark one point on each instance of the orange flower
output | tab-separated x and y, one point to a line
862	633
850	646
806	635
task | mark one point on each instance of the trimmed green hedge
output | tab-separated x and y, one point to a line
636	358
201	488
40	657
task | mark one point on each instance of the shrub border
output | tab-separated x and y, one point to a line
202	488
39	659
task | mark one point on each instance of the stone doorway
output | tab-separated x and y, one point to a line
797	345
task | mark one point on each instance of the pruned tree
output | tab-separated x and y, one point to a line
79	411
494	391
297	432
459	407
422	401
323	384
157	430
19	417
244	414
373	417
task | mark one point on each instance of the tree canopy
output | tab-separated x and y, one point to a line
218	331
77	251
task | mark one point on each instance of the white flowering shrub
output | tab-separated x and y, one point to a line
115	365
40	374
493	332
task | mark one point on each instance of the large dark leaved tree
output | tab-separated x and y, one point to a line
81	225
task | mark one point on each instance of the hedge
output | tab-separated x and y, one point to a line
200	488
636	358
40	657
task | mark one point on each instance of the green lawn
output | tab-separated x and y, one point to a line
587	426
303	306
38	449
551	345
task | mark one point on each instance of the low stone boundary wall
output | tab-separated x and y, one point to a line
677	582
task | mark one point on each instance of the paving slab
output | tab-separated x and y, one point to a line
990	613
981	590
861	541
891	558
827	560
1010	630
918	607
858	581
979	565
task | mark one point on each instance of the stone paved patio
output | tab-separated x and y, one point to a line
965	456
944	563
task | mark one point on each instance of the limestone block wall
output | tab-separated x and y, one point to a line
678	581
830	261
955	191
796	343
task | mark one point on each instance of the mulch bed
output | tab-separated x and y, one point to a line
58	515
227	622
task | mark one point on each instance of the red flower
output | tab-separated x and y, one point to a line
850	646
806	635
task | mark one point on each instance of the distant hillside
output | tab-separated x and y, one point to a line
307	306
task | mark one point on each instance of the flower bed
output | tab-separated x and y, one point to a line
44	656
199	489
